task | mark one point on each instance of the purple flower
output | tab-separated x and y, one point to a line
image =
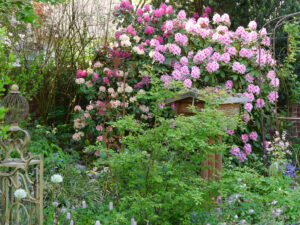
68	216
83	204
111	205
247	148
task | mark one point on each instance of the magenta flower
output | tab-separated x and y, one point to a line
96	77
105	80
169	9
147	8
139	19
149	30
139	12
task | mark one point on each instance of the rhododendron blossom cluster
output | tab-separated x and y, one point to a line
196	52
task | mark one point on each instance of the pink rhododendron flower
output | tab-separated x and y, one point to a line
235	151
253	135
250	96
147	8
212	66
248	107
241	68
230	132
252	25
247	148
245	138
246	117
174	49
99	138
225	18
249	78
217	18
207	9
99	128
184	61
260	103
139	19
273	96
181	39
149	30
195	72
184	70
105	80
81	73
176	75
271	75
225	57
229	85
274	82
96	77
139	12
181	15
158	57
231	50
187	83
169	9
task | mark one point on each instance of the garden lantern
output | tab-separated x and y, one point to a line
21	173
229	103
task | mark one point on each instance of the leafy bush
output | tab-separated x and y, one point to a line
156	177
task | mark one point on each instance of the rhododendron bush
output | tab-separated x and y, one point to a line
183	53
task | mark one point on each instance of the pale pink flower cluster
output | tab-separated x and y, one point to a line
260	103
212	66
77	136
174	49
181	39
240	68
253	89
247	53
229	85
79	123
273	95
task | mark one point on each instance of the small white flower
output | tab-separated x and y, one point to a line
80	81
137	39
55	204
20	193
124	37
56	178
151	54
236	216
128	89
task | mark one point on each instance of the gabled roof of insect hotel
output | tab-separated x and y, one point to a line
216	94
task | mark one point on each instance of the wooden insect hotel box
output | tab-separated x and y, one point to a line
228	102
